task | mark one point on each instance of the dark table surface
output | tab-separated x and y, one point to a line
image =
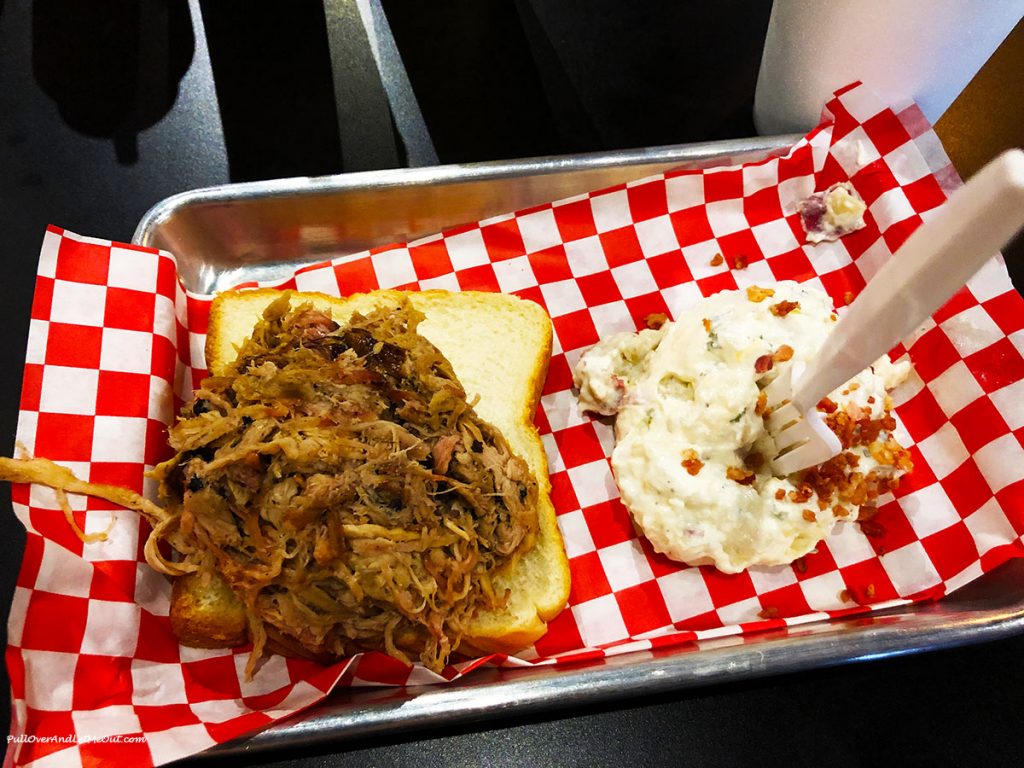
95	127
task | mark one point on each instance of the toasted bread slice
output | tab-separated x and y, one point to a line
499	347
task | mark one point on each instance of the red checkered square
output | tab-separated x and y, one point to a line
49	728
898	232
65	437
868	582
763	206
669	269
925	194
122	394
75	346
156	640
609	523
579	445
723	281
128	309
966	488
997	365
647	200
563	635
125	752
42	300
429	259
588	578
559	375
113	580
727	588
785	602
740	248
979	423
642	307
932	354
481	278
951	550
575	220
621	246
110	674
79	262
888	530
643	608
39	633
840	282
563	497
212	679
798	163
887	131
691	226
723	185
30	386
793	265
575	330
598	288
550	265
503	240
1007	311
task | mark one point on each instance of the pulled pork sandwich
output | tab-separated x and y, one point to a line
333	490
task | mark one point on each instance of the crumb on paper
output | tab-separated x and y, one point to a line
828	215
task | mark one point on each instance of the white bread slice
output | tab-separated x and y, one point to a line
499	347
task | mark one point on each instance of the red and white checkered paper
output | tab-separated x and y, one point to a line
116	343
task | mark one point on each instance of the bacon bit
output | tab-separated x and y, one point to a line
822	505
763	364
707	325
770	612
691	462
848	297
655	320
869	592
871	528
840	510
853	387
783	353
802	493
740	262
741	476
758	294
871	399
716	260
833	317
845	596
753	460
762	403
827	405
800	565
809	516
783	308
780	495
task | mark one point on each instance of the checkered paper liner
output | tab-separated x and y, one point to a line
116	344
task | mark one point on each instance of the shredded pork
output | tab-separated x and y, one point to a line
340	482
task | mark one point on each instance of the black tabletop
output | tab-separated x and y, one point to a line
107	108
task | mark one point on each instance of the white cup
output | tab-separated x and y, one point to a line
925	50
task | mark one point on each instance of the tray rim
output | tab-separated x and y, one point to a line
454	172
919	627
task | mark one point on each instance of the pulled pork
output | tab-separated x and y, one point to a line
342	485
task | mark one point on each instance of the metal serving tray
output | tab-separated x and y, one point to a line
237	232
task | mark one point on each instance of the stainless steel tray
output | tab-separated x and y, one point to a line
225	235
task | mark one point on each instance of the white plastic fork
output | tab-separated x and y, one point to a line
936	260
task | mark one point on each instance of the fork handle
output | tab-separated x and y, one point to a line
935	261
